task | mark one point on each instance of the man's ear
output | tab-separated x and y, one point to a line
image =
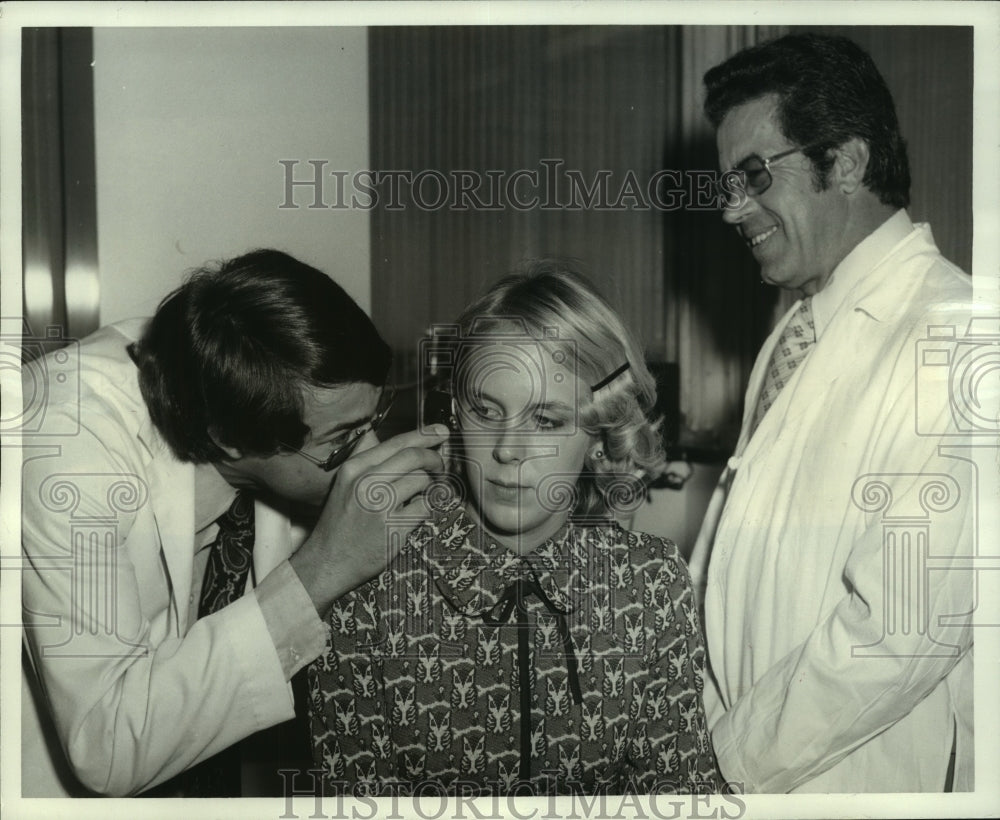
233	452
850	165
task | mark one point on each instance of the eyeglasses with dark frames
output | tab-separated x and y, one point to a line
750	178
344	445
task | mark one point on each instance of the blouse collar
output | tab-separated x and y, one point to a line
472	570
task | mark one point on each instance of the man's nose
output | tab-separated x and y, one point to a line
368	440
740	207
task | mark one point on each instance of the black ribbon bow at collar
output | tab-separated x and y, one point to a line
514	599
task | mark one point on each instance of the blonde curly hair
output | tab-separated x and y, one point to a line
546	295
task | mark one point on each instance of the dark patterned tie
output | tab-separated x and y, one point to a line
795	342
229	564
231	557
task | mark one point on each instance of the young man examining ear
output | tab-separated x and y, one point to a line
840	662
255	388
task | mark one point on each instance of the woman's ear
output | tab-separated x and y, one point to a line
232	452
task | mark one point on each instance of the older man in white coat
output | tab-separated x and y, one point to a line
840	659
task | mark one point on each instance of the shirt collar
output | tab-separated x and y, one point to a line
846	278
212	493
472	570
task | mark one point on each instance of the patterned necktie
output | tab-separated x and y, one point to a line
231	557
795	342
225	580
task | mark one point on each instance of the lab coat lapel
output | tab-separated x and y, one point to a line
171	494
172	498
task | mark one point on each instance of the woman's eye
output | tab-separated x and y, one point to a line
548	422
487	413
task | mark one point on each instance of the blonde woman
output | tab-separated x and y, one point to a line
523	641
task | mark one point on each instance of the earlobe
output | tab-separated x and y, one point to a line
851	164
232	452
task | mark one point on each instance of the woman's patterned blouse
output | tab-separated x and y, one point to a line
421	682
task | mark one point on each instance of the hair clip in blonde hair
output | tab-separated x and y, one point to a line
607	380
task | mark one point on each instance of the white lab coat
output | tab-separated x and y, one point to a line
831	670
132	693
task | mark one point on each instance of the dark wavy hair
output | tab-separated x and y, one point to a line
229	352
829	91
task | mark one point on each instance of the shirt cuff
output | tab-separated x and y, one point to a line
298	634
726	755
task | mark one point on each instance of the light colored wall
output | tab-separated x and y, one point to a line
190	126
677	514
